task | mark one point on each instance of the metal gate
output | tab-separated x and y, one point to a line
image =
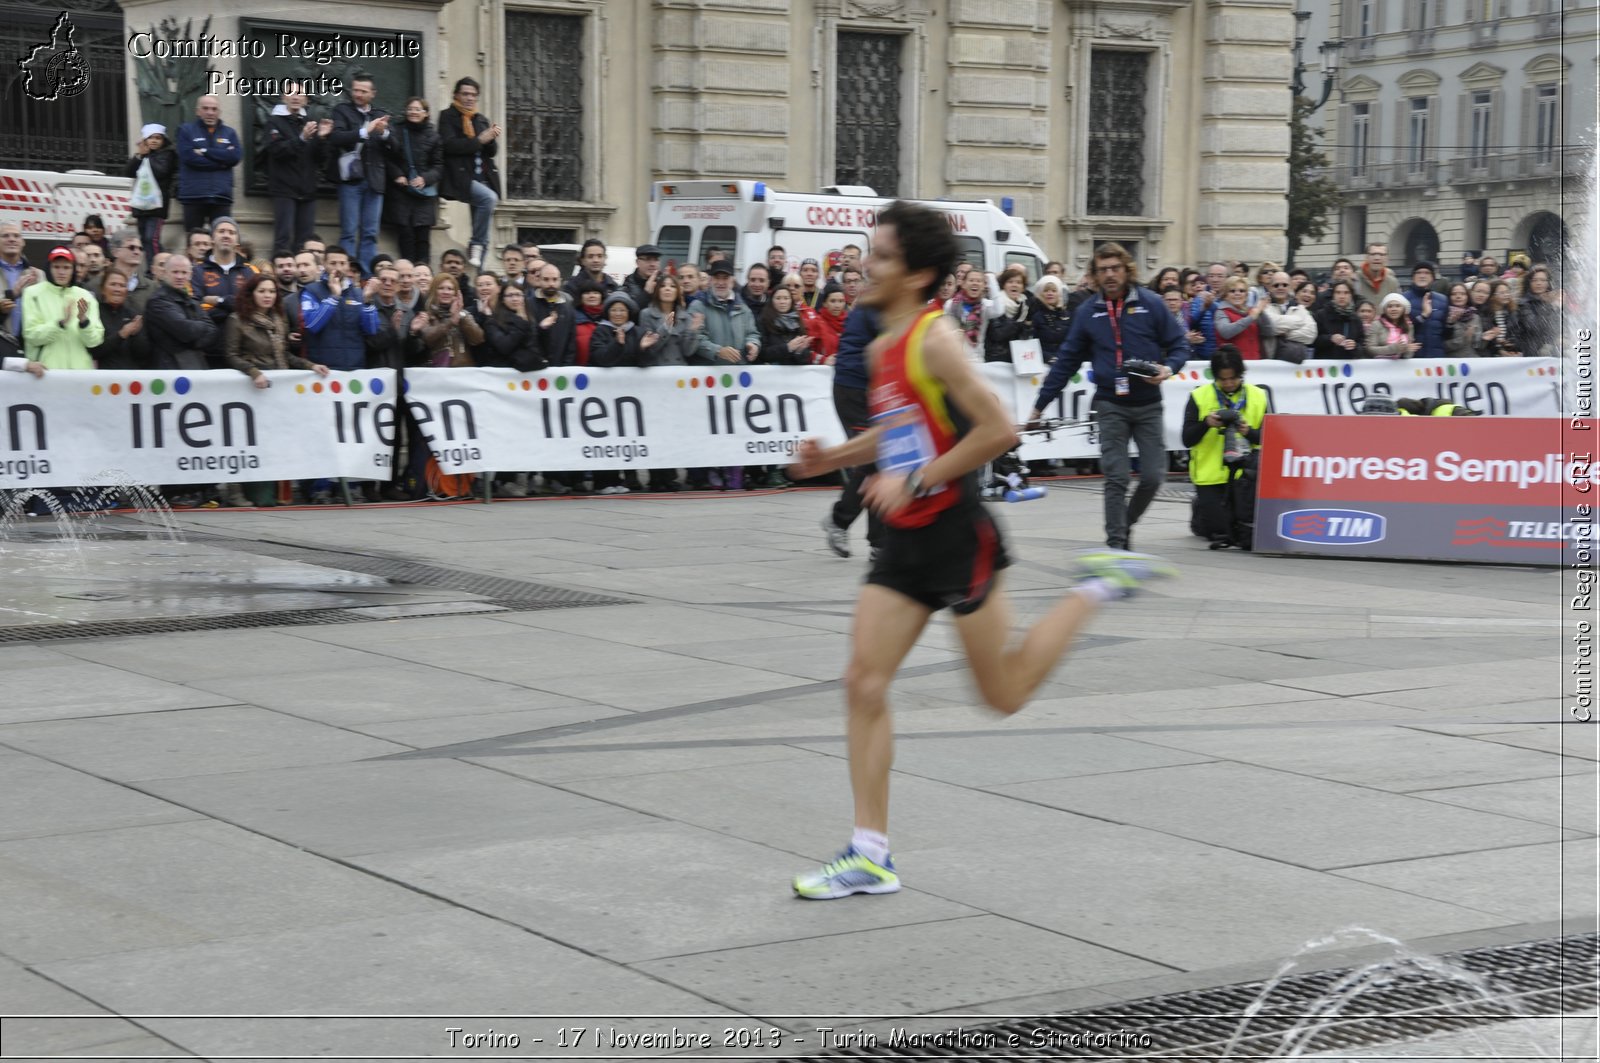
866	139
544	106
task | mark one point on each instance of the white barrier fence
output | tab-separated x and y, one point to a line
73	428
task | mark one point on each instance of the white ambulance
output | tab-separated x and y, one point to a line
746	218
51	206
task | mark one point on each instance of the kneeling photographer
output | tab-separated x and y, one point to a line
1222	429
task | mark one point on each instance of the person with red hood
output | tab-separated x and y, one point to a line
825	325
590	311
60	321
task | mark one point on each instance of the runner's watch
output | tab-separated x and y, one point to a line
914	483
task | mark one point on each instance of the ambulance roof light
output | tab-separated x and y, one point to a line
1008	205
760	192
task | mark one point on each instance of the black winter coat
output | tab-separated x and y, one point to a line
292	161
405	207
1005	328
558	344
460	149
164	165
775	346
1331	323
179	331
512	342
115	352
346	135
609	348
1050	328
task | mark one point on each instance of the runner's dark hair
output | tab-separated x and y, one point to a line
926	241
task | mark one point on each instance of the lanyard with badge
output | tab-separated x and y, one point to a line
1115	307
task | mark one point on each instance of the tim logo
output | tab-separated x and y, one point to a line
1331	527
55	70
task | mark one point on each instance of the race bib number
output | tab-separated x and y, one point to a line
905	444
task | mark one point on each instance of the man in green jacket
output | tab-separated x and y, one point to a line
60	321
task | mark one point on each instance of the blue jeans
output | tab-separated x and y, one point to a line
359	207
1146	426
483	203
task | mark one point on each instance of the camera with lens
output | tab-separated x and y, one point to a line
1228	416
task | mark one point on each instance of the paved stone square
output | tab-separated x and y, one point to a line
596	811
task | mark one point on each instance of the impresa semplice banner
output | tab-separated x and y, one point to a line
1517	490
71	428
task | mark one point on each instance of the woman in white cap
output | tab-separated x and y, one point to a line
1391	335
157	148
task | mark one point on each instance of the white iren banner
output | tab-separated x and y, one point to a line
575	419
77	427
84	427
1504	387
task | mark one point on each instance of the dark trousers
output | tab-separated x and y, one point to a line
199	214
415	242
294	221
1226	513
1117	424
150	236
851	406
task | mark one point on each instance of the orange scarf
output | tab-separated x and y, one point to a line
466	116
1373	282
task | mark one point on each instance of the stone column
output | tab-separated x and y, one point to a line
721	88
1244	140
997	129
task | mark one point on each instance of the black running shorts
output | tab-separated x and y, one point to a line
950	564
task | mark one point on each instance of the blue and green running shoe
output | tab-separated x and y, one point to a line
849	873
1121	570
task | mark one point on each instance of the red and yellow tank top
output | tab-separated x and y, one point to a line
920	423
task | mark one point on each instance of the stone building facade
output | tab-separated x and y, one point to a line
1460	125
1162	123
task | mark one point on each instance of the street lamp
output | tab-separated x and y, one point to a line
1330	62
1305	185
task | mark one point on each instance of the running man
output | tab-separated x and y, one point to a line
935	423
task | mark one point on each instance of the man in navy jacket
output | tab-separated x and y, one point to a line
850	403
1124	323
1428	310
207	153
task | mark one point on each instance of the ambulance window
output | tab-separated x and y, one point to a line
674	243
723	236
1028	262
972	251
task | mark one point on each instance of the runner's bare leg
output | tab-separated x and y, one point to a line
886	627
1007	678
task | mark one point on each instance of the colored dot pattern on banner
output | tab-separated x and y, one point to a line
1443	370
182	385
727	380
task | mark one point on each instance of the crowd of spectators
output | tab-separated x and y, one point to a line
122	300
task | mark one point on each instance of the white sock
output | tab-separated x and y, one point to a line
1099	591
871	844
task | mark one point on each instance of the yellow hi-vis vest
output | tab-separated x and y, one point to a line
1205	457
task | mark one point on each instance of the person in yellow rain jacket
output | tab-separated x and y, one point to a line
1222	429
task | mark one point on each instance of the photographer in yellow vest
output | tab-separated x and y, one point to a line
1222	429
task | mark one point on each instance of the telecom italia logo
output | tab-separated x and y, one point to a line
1332	527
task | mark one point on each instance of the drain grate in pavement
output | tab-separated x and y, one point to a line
1502	982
